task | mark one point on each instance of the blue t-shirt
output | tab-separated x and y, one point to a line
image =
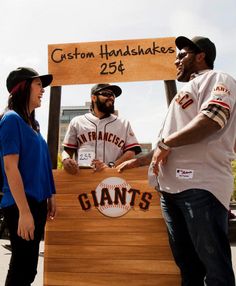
17	137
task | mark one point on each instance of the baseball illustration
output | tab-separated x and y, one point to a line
113	197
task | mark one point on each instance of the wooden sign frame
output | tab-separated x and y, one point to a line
142	59
112	61
87	248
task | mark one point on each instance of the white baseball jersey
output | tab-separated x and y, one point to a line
206	164
108	138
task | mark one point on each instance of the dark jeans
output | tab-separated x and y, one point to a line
24	258
197	225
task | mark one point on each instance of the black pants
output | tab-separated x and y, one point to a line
24	258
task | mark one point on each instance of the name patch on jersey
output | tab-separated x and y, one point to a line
184	174
93	136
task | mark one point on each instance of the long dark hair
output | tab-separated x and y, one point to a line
19	102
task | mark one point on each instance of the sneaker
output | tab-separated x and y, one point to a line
231	215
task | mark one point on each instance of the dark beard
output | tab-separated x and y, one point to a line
187	71
101	106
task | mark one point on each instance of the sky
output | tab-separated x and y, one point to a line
27	27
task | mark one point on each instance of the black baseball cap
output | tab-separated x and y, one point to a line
198	44
24	73
101	86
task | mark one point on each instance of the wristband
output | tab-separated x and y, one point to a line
111	165
163	145
64	156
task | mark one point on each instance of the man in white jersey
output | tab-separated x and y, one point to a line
192	164
99	138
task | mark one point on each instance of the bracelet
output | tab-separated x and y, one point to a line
64	156
163	145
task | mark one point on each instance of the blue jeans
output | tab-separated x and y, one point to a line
197	225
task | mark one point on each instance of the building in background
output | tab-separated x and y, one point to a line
69	112
146	148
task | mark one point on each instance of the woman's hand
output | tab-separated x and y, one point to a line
26	226
51	207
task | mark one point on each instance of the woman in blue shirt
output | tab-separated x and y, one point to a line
28	186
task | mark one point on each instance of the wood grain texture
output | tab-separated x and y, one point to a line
112	61
86	248
110	279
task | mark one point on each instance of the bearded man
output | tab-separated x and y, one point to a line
99	139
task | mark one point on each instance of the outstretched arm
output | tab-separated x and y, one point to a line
195	131
124	157
136	162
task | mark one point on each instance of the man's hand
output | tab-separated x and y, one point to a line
132	163
159	157
98	165
70	166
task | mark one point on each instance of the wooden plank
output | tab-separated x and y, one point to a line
171	90
53	123
72	187
124	266
133	252
109	225
97	279
112	61
75	211
137	175
87	179
87	238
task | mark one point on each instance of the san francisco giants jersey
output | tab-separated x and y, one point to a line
108	137
206	164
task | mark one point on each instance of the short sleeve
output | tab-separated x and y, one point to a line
10	134
222	93
70	139
131	141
